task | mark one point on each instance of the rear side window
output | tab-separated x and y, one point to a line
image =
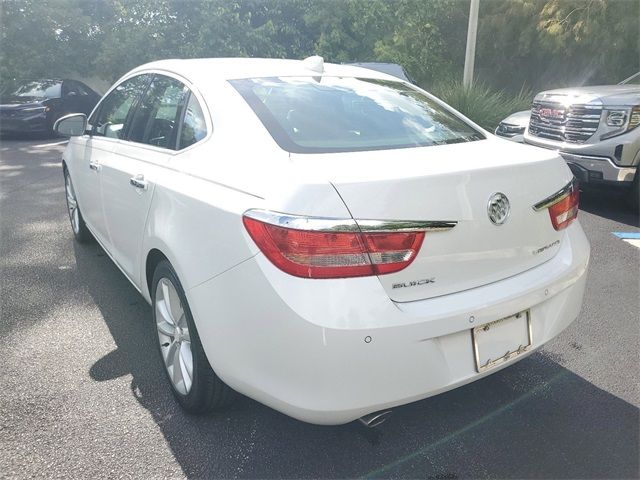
194	126
342	114
156	118
71	86
114	109
82	89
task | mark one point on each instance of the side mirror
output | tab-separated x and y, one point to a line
72	125
72	94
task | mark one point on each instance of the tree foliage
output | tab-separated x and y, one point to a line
521	43
545	43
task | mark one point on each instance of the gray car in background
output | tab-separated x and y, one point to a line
513	127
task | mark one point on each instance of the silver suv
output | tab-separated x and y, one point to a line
594	129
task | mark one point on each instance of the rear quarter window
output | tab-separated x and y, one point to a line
193	127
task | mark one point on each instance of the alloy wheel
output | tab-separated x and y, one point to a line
174	336
72	204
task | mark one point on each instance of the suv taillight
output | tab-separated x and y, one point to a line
327	248
562	205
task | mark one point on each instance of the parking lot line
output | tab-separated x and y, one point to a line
632	238
627	235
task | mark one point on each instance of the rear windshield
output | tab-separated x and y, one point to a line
340	114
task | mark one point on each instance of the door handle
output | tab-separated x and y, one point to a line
139	182
94	166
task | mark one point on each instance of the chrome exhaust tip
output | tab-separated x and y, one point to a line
374	419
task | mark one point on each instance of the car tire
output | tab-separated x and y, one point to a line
79	228
196	387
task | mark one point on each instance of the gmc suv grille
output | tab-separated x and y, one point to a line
573	123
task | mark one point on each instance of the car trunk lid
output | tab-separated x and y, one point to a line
453	183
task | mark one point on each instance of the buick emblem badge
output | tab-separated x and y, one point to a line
498	208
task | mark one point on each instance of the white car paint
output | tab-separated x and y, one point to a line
328	351
479	253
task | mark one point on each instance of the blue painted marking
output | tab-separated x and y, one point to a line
627	234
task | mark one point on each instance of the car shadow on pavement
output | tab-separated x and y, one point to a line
535	419
609	204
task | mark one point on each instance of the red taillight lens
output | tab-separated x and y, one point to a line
318	254
391	252
565	211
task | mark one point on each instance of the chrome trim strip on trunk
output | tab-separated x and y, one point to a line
405	225
327	224
560	195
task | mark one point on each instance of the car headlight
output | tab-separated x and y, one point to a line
616	118
634	118
36	109
621	120
508	130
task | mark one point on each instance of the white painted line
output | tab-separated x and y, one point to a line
50	144
633	241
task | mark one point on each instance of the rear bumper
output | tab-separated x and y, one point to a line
328	352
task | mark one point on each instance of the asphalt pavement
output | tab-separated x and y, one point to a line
82	394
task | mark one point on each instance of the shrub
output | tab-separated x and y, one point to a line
481	104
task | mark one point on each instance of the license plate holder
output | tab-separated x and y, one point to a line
501	340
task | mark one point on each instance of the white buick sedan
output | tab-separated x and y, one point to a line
328	240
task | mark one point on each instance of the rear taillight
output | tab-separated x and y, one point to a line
565	211
329	248
562	205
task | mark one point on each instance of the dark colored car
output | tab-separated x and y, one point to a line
33	106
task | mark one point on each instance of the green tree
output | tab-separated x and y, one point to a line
540	44
532	43
49	38
347	30
600	38
427	38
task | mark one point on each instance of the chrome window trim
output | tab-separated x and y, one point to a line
167	73
329	224
560	195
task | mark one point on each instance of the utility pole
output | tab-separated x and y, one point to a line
470	55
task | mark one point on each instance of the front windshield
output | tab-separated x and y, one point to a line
634	79
344	114
38	89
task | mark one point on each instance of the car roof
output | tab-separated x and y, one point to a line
203	69
25	80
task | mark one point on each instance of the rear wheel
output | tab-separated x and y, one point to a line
193	382
80	231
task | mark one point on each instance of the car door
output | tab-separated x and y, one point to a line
91	150
72	101
128	177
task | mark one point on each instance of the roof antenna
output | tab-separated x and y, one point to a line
314	63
